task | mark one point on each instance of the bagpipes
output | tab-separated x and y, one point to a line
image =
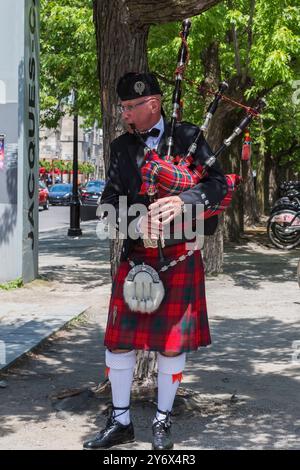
171	175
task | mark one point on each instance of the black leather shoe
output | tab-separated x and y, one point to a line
162	433
113	434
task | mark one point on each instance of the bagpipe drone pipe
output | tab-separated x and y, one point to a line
170	175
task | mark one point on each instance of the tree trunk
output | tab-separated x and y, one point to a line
121	48
213	250
261	172
213	245
224	122
260	182
118	40
281	173
271	188
251	215
234	215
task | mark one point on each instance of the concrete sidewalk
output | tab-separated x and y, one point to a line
70	269
247	382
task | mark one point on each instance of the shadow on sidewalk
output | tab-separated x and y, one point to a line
248	267
83	260
264	414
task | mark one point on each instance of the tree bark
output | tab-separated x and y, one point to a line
251	215
271	188
117	39
224	121
231	163
213	245
214	250
260	180
121	48
162	11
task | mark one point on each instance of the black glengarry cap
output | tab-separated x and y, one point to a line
135	85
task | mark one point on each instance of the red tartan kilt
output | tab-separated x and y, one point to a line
180	324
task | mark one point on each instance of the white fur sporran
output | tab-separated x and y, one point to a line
143	290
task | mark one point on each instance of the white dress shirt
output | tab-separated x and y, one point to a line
152	143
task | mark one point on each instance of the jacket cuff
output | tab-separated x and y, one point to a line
189	198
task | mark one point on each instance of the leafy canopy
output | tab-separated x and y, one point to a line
68	60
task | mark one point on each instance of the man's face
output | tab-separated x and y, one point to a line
143	112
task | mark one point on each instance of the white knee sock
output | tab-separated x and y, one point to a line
121	367
168	380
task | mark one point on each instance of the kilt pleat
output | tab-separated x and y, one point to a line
180	324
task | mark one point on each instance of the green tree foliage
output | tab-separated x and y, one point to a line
264	48
87	169
68	60
45	164
84	167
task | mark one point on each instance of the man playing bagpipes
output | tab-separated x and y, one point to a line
180	323
158	294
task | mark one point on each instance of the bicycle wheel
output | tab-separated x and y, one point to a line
277	224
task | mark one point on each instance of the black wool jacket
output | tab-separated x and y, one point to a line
125	179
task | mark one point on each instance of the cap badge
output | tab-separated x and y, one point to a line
139	87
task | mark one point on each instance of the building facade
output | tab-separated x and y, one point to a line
57	144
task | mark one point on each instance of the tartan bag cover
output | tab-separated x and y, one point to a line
180	323
170	176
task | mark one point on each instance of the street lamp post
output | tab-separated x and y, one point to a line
75	230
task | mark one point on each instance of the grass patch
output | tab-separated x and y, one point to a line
16	284
76	322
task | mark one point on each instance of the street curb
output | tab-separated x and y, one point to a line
30	346
86	223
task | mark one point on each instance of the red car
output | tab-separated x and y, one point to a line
43	196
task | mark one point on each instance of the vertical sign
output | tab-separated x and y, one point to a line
31	142
19	125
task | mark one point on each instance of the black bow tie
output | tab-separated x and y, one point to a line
153	133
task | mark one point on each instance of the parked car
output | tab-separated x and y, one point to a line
43	196
91	192
60	194
90	195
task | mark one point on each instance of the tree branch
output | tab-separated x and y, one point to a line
294	146
163	79
162	11
236	51
250	36
266	91
237	58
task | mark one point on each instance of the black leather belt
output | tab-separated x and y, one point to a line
168	242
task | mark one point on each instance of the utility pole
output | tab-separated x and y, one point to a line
75	230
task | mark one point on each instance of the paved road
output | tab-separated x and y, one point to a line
55	217
31	314
247	383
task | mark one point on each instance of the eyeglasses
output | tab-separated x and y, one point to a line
131	107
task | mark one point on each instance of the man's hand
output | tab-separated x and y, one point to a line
150	227
166	209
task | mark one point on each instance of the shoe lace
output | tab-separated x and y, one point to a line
111	421
113	416
162	425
